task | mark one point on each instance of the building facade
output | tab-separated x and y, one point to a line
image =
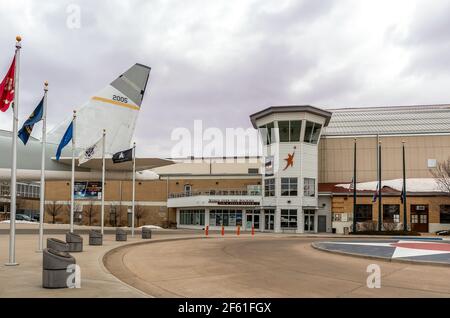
300	184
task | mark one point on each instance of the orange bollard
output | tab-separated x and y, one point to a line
223	230
253	230
207	230
238	231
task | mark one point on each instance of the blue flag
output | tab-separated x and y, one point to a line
65	140
27	128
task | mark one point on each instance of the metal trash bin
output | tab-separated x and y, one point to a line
75	242
121	235
95	238
346	230
57	245
54	268
146	233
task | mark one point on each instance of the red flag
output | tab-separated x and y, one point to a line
7	88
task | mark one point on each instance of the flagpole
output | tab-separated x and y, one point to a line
379	188
354	187
134	189
405	212
13	185
72	195
103	181
42	194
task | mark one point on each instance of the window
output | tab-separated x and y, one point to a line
268	133
283	127
445	214
289	187
269	187
289	219
289	130
187	189
363	212
312	132
253	170
225	218
192	217
391	213
309	187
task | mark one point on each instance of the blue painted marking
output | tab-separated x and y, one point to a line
417	238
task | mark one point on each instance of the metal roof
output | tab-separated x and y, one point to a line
288	109
418	119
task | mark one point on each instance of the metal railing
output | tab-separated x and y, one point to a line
242	192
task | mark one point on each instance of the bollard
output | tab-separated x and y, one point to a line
95	238
238	230
54	268
207	230
223	230
253	230
121	235
75	242
57	245
146	233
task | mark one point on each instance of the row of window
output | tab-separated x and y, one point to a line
192	217
289	187
234	217
290	131
391	213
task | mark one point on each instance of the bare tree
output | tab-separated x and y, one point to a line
89	212
54	210
138	213
442	175
113	211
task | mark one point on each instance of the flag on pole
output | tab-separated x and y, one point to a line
402	195
7	88
123	156
27	128
375	195
65	140
91	152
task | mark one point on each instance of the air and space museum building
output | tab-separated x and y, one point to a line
302	184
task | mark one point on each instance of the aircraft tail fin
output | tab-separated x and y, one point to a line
114	108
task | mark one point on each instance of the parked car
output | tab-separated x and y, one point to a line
24	217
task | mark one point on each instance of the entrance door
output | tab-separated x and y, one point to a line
322	224
252	220
269	222
419	218
309	220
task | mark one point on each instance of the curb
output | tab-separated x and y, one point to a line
386	259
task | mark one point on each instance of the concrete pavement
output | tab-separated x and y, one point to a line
265	266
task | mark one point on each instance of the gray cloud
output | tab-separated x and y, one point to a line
220	61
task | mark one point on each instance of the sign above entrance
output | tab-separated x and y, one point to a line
233	202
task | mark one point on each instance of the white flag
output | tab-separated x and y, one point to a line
94	151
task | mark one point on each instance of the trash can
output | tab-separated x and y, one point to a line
95	238
57	245
346	230
146	233
121	235
54	268
75	242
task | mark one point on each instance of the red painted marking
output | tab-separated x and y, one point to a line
425	246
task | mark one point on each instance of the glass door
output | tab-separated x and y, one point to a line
309	220
269	223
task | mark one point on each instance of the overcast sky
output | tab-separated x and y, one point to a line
221	61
